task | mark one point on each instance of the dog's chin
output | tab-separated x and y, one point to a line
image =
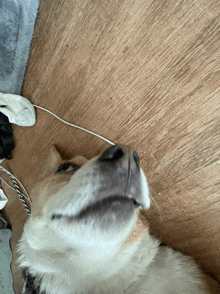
114	210
113	204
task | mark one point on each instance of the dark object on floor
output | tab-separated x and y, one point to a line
6	137
31	284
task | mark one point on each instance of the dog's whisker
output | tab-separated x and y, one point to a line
157	207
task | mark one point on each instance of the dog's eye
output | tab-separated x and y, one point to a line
67	167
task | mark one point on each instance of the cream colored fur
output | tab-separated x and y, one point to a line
80	257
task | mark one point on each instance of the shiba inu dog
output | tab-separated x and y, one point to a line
87	233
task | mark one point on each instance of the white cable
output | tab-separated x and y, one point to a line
75	126
15	181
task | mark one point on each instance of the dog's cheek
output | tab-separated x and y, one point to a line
35	205
45	190
140	230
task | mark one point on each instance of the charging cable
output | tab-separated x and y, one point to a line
15	181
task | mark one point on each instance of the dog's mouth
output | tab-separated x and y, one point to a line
112	204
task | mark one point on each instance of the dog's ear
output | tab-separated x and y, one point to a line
53	161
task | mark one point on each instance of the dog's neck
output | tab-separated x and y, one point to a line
123	268
81	269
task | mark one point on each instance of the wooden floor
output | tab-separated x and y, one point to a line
145	73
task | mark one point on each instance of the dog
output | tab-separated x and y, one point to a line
87	233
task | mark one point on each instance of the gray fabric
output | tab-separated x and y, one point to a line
17	19
5	260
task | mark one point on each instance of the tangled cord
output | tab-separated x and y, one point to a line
15	181
16	188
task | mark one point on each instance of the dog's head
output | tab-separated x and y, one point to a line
84	206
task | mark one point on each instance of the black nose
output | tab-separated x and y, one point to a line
111	154
118	151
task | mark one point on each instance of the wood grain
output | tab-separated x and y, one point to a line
145	73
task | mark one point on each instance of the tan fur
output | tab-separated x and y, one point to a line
141	228
50	182
79	257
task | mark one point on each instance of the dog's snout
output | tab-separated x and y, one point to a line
112	154
117	152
